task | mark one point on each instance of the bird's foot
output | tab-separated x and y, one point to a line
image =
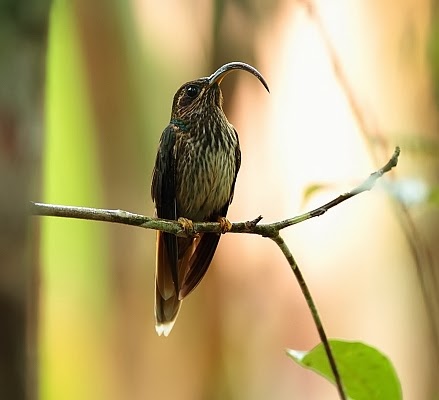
225	224
187	225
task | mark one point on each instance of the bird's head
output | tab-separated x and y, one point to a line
201	95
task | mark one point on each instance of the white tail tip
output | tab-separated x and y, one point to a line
164	328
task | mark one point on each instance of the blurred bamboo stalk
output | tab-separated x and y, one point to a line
23	27
114	78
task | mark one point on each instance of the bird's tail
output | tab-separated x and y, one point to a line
166	312
167	303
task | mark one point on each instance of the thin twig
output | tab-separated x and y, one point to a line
368	184
315	314
253	227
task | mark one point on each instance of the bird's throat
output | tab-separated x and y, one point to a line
182	125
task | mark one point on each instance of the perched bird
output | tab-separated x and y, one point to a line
193	180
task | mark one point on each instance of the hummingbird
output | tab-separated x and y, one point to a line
194	177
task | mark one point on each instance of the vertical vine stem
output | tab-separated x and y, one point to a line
315	315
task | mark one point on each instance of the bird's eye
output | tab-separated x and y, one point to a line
192	91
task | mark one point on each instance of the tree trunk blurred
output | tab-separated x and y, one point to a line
23	27
114	78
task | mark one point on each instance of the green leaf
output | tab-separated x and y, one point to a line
365	372
312	189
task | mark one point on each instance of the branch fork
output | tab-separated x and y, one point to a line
187	228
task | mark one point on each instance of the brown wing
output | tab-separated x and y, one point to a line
163	194
207	243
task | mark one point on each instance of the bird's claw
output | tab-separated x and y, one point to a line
225	224
187	225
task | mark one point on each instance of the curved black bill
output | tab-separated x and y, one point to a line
221	72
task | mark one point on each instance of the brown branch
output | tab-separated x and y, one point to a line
253	227
267	230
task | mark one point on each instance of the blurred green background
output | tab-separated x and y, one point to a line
112	69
